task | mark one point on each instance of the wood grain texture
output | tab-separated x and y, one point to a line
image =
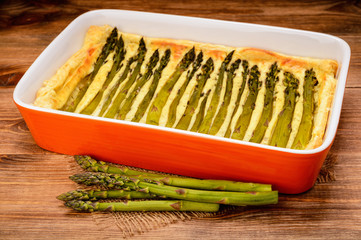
31	177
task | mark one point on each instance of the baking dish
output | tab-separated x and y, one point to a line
172	150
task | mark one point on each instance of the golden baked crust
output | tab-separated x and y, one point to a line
57	90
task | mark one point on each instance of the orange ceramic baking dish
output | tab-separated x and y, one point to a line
171	150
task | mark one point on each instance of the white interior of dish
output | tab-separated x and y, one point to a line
282	40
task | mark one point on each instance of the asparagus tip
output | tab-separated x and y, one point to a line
82	206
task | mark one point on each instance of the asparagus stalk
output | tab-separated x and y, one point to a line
140	83
211	111
114	108
305	129
91	164
222	112
148	97
267	112
200	114
117	59
162	96
249	105
221	197
173	106
142	206
76	95
283	126
103	194
240	92
207	69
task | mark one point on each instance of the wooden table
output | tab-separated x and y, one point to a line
31	177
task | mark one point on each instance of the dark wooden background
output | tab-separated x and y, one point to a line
31	177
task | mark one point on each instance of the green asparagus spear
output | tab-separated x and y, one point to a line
91	164
202	78
283	128
222	112
118	58
211	111
128	102
114	108
305	129
221	197
76	95
119	54
108	48
239	96
173	106
148	97
200	114
104	194
162	96
267	112
249	105
142	206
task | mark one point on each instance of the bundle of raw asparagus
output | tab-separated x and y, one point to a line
159	192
